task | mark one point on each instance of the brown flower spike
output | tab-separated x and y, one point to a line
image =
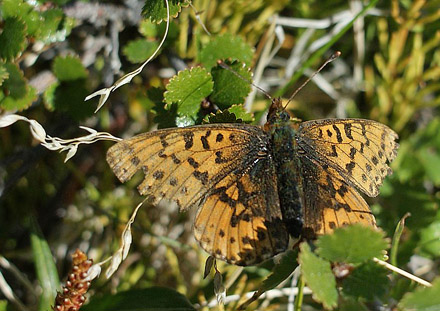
72	296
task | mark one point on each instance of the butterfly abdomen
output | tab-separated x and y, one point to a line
284	150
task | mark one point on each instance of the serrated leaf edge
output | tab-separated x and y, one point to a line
179	75
180	5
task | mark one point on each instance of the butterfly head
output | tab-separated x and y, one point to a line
277	112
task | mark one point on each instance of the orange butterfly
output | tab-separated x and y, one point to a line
254	186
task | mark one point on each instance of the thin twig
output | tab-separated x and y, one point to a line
402	272
300	294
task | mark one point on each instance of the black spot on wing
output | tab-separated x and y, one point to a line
342	190
188	137
193	162
219	158
350	166
364	177
173	181
158	174
135	161
352	152
380	154
368	167
261	235
364	130
347	130
338	133
202	176
204	140
163	140
175	159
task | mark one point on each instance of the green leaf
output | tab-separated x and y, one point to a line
234	114
49	96
3	73
410	197
15	86
165	116
55	26
430	240
12	39
422	299
183	121
45	268
11	104
318	276
430	160
4	305
148	29
69	98
68	68
188	89
154	298
280	273
221	117
229	89
156	10
396	239
241	113
350	304
352	244
224	47
367	281
14	8
26	12
138	51
17	94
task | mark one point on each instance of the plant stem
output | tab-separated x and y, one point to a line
300	295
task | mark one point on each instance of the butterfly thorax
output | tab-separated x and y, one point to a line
284	151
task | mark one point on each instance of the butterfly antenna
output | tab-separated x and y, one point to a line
224	66
329	60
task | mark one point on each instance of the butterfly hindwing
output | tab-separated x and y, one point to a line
359	150
221	168
330	202
240	221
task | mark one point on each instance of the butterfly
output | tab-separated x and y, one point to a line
254	186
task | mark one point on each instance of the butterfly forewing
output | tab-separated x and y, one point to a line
221	169
359	150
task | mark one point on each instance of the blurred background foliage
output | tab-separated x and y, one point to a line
54	53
